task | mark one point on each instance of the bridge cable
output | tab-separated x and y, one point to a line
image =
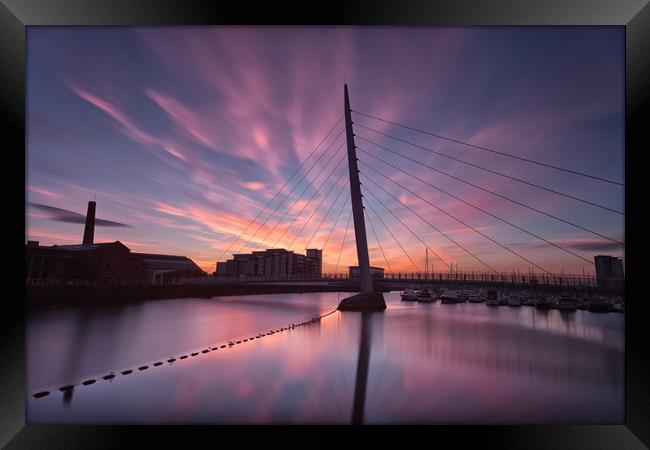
472	205
575	172
335	222
431	225
342	243
299	197
281	189
495	193
318	207
291	191
391	233
327	213
458	220
485	169
297	235
379	243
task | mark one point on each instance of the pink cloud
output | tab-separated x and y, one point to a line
42	191
186	119
169	209
254	186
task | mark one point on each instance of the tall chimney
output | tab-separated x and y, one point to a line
89	230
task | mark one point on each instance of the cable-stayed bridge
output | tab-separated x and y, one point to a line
382	179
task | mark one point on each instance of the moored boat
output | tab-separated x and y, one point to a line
492	298
600	304
567	303
528	301
409	295
450	297
514	300
425	296
544	302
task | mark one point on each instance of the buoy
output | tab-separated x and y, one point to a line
143	367
245	340
239	342
126	372
110	376
194	354
184	356
171	360
66	388
205	351
157	363
223	346
87	382
41	394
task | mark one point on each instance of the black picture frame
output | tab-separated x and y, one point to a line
634	15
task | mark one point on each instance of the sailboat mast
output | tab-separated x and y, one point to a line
426	262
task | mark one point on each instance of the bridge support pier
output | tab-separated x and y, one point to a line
373	301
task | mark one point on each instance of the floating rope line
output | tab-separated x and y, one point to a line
113	374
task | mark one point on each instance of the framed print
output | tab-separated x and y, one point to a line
354	218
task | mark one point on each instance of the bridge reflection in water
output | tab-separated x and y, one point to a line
414	363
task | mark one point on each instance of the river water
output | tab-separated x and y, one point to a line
414	363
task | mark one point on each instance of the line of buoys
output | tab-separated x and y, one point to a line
172	359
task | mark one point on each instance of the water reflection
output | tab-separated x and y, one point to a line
362	369
414	363
67	345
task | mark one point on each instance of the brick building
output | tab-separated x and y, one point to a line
105	263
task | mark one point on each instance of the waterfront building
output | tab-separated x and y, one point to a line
273	263
107	263
161	268
101	263
609	272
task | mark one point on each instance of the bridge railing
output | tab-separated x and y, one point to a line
502	279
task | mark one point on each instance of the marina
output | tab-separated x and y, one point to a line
544	301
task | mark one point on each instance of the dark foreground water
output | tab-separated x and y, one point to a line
414	363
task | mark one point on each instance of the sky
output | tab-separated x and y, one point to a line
184	134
